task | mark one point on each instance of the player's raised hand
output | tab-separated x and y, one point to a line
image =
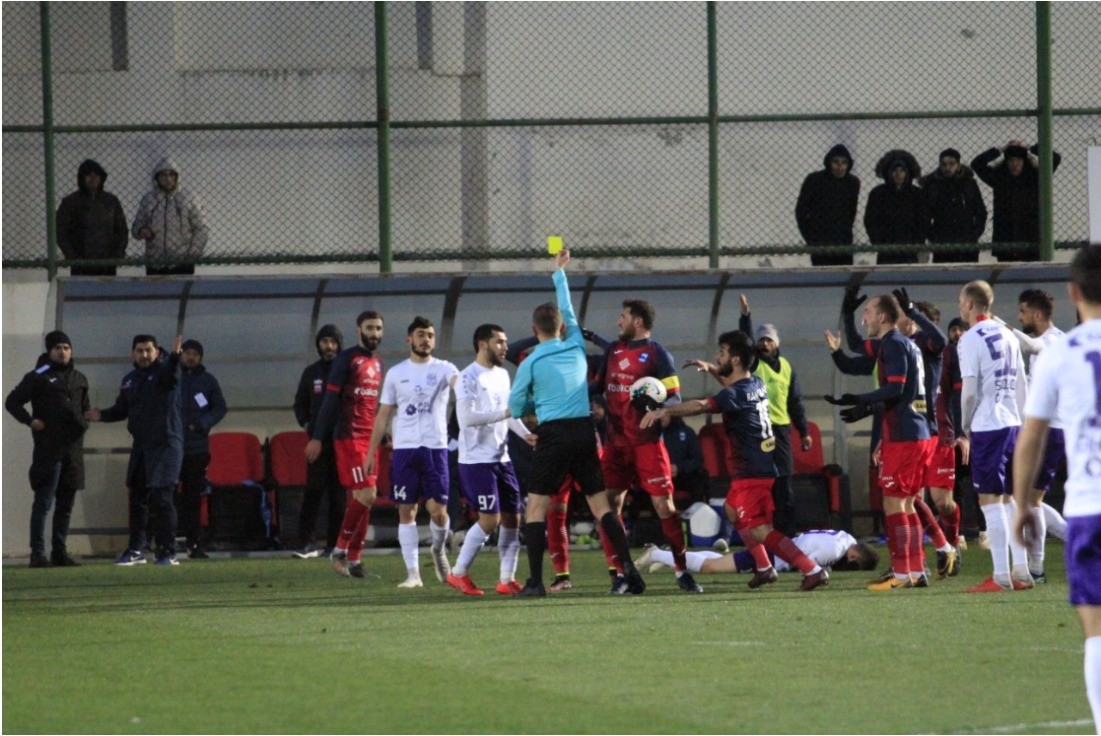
702	366
177	344
561	258
833	342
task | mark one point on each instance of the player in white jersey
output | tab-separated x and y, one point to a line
1067	384
992	399
829	548
489	484
415	394
1035	307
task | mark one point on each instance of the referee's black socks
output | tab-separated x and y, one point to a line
535	532
612	527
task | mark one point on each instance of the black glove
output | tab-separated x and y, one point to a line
856	413
644	403
852	300
845	400
903	299
587	334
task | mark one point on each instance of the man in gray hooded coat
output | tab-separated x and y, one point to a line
171	222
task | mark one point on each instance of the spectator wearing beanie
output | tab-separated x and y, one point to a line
58	395
203	407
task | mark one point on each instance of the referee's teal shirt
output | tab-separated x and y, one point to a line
554	377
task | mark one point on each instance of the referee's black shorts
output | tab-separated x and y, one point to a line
566	446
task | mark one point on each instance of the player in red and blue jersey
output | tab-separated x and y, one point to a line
347	415
636	455
743	402
904	426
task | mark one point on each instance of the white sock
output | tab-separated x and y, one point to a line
1036	544
1093	678
1017	551
508	547
439	536
1056	524
999	545
410	540
692	560
472	545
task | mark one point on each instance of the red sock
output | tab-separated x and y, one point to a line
674	534
558	541
755	548
609	550
898	543
929	523
786	550
917	545
950	523
352	513
355	545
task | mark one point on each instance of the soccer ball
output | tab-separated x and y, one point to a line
648	386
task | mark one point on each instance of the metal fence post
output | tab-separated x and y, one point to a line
382	97
712	138
48	136
1044	128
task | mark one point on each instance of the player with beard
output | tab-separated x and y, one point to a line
347	415
743	403
636	452
415	395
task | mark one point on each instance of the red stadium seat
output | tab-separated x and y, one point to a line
287	455
810	467
715	446
237	479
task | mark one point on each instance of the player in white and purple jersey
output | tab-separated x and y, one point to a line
1067	384
415	394
831	548
489	484
1035	307
992	400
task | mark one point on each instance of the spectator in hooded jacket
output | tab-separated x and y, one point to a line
149	399
896	213
322	480
203	407
826	208
171	222
956	209
90	223
58	394
1015	181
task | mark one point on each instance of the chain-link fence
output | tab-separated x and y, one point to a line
631	129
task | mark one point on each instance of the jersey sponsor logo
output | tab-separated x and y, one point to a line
371	372
769	445
615	388
318	386
431	379
624	364
411	411
919	406
365	391
643	358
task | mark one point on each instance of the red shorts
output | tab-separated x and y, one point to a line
941	470
351	456
751	499
648	464
902	468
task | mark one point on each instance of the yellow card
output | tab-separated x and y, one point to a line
554	245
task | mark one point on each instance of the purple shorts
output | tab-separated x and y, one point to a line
419	474
1054	453
490	488
1083	559
992	460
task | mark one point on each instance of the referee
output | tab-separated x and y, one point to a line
553	379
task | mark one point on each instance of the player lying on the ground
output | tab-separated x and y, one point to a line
829	548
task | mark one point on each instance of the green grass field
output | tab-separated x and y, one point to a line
282	645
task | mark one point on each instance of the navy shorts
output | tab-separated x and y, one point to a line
419	474
490	488
1083	560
